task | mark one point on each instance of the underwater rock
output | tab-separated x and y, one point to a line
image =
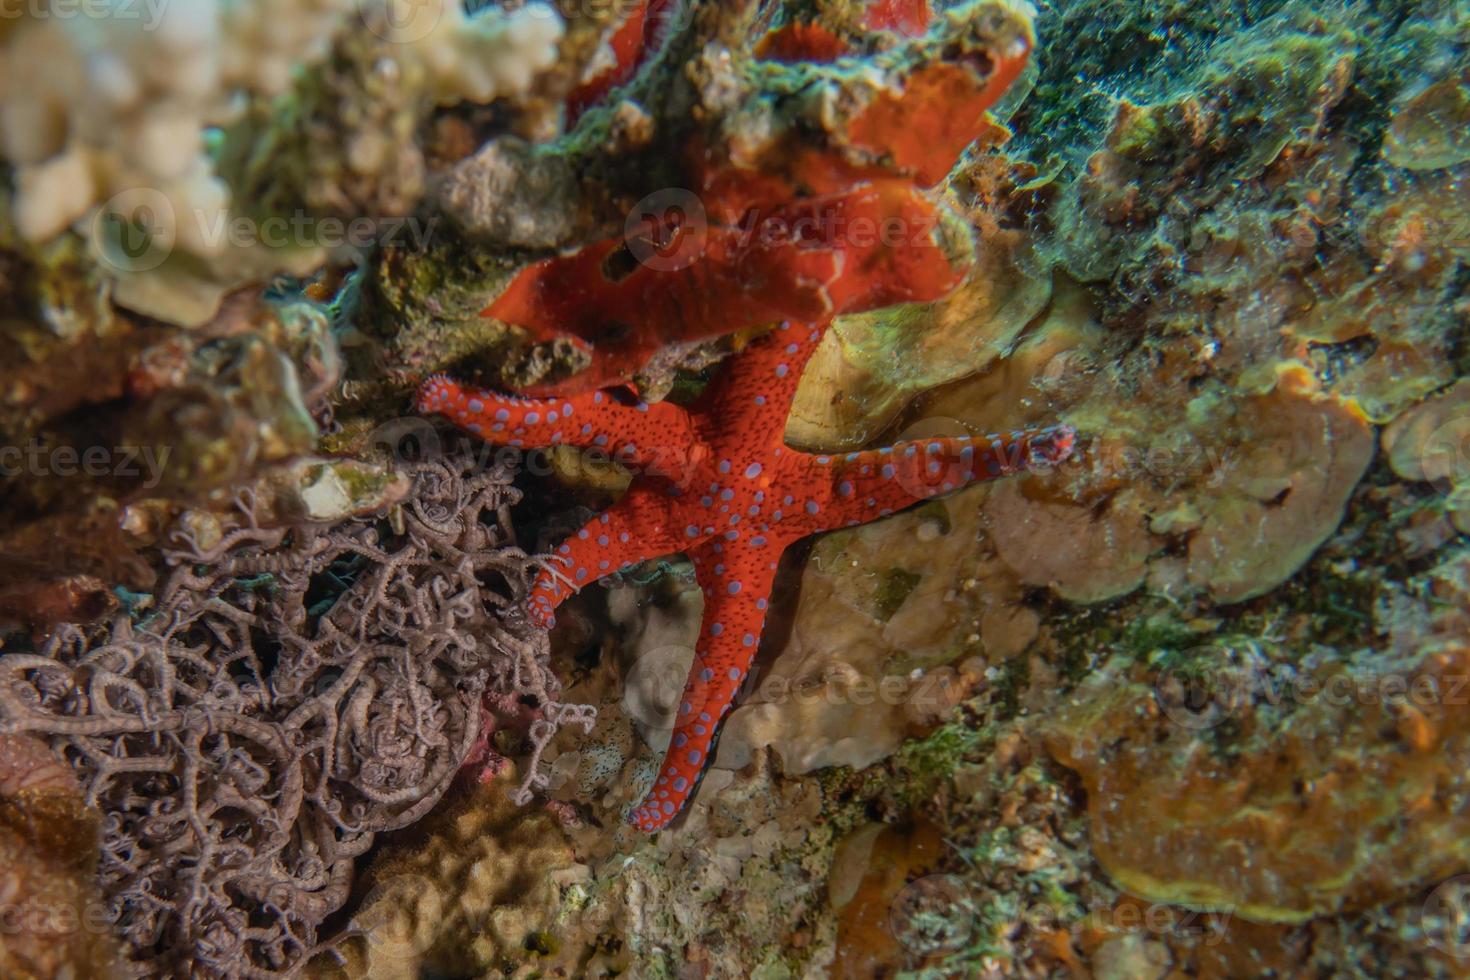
1428	131
1429	126
56	325
56	921
166	419
882	615
1431	443
1094	555
629	903
1262	92
1227	242
1377	329
659	634
483	885
875	363
1238	478
511	195
1282	496
72	561
1280	783
871	931
32	598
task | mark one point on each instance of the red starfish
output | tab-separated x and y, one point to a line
717	482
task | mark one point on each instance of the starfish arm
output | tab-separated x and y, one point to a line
752	397
736	577
638	527
863	486
629	433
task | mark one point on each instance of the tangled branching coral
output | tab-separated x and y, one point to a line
291	693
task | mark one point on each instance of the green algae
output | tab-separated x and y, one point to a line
895	586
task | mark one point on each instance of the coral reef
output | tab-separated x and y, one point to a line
274	701
1231	293
1358	825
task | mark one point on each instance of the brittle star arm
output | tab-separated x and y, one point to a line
876	482
736	577
638	527
629	433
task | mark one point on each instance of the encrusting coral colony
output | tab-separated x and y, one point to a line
663	488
